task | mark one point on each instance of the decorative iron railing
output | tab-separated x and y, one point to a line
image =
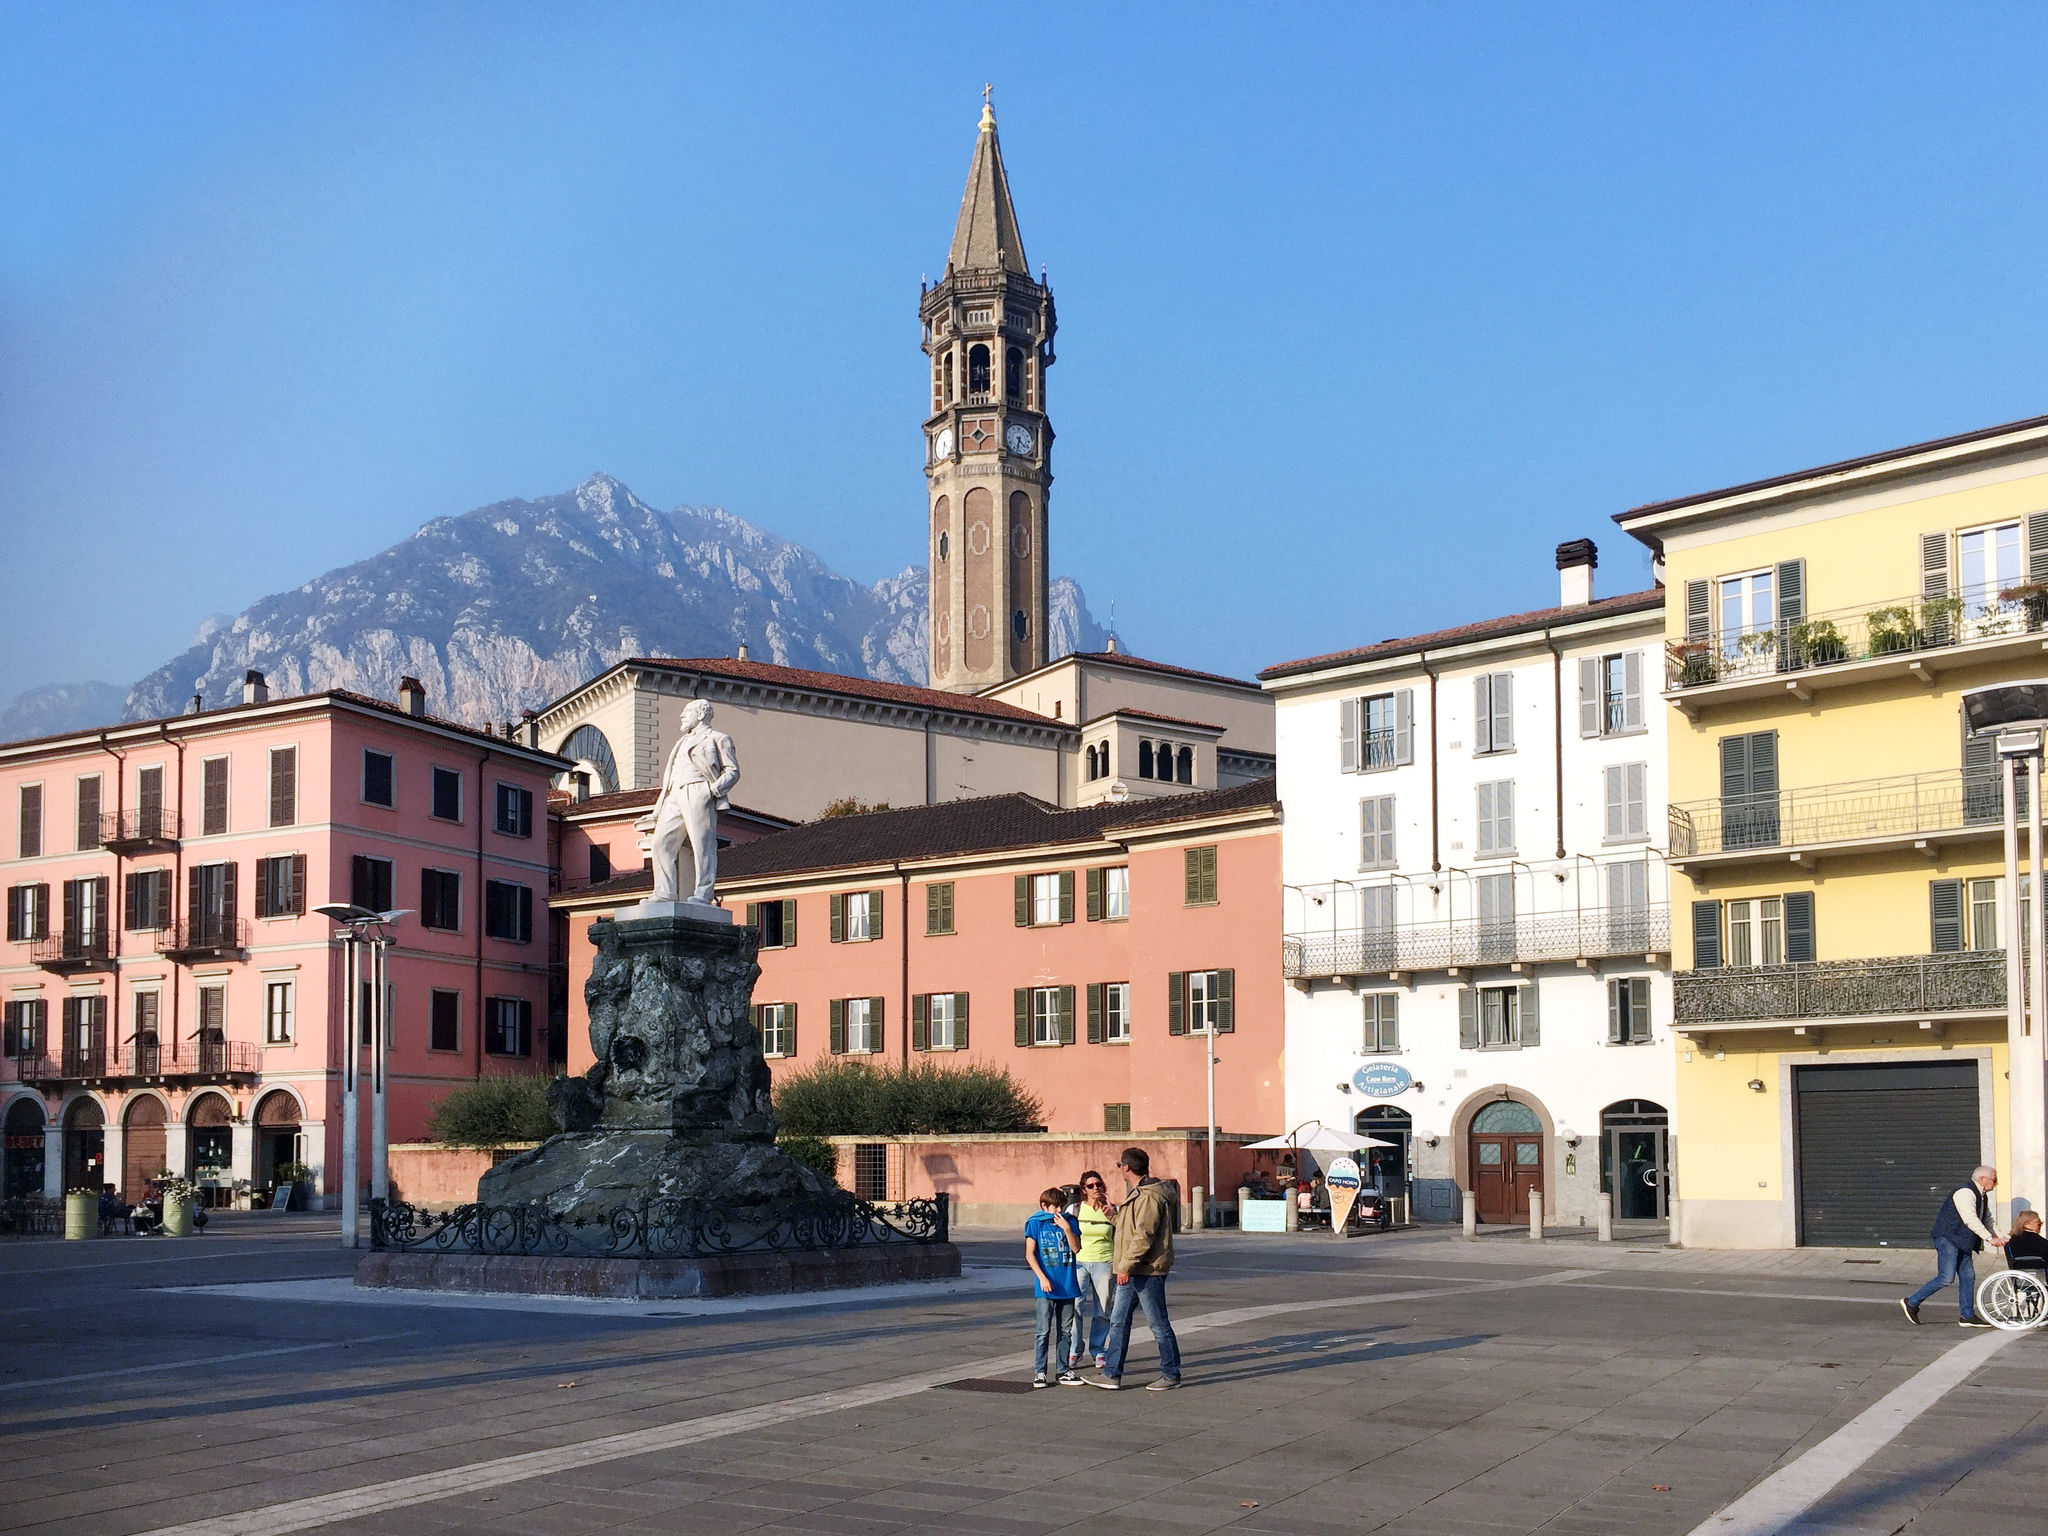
31	1216
1904	805
84	1060
660	1229
1839	989
213	1058
138	827
1587	935
204	939
73	949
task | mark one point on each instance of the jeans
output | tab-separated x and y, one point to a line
1100	1279
1057	1331
1956	1264
1148	1291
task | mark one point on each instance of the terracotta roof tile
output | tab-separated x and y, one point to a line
1631	602
850	687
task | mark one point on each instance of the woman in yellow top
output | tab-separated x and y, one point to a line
1095	1217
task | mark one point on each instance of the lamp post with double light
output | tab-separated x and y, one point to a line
364	937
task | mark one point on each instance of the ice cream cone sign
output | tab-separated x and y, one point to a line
1343	1181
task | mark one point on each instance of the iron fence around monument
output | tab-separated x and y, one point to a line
659	1229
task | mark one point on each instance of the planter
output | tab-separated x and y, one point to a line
81	1216
177	1217
303	1198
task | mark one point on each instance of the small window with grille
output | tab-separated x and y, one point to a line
871	1171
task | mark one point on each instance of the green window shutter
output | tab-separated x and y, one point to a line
933	921
874	914
1209	874
1094	895
1468	1019
1226	1002
959	1021
2037	546
1023	1001
838	924
1799	943
1191	876
1176	1002
1066	895
1095	1030
1617	1011
754	916
838	1041
789	1028
789	928
1706	935
877	1019
1023	894
1639	1013
1066	1015
920	1033
1945	911
1532	1024
1699	611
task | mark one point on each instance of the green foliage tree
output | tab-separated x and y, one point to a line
852	1098
847	805
493	1111
818	1155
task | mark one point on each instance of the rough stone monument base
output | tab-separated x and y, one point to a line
733	1274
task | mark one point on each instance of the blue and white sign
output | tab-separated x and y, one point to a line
1382	1080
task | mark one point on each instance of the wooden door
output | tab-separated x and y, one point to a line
142	1148
1505	1168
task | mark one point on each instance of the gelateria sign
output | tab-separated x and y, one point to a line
1382	1080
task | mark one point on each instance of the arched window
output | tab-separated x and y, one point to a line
977	370
1092	772
1013	374
1102	754
1144	759
949	375
1187	765
1504	1117
586	745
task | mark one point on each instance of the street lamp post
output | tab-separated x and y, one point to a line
363	930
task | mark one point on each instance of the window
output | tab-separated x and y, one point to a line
1199	1001
277	1013
213	901
281	886
1013	373
149	900
1144	759
1109	894
1763	930
447	798
85	913
213	797
28	913
600	863
1185	765
370	884
1497	819
1628	1010
856	1027
440	899
378	781
148	1008
284	786
515	811
1109	1013
1628	904
1046	891
149	804
938	907
1045	1016
508	1026
856	917
508	911
1382	1023
31	821
1628	816
773	922
1198	874
213	1014
1376	832
1116	1117
1611	694
88	813
1493	712
977	369
1983	914
1963	914
1376	731
444	1020
1990	563
1494	896
1497	1018
27	1023
1756	931
938	1021
777	1024
1746	607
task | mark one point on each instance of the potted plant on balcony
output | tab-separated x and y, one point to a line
1697	663
1758	647
1891	629
1818	643
2032	596
1941	620
300	1177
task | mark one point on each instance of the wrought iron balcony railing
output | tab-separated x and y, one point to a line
208	939
84	1060
139	829
1904	985
213	1058
1588	935
73	950
1903	806
1899	627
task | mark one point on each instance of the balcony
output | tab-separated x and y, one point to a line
1908	636
1885	989
1592	934
1916	810
211	938
146	829
193	1060
212	1060
73	950
81	1062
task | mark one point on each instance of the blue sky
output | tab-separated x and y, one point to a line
1362	309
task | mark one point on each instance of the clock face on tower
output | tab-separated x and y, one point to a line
1018	438
943	448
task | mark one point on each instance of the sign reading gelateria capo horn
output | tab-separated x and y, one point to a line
1382	1080
1344	1182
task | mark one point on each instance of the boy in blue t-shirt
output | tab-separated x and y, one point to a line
1049	1244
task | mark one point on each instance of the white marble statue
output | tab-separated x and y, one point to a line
701	772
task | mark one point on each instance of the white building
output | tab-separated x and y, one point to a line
1477	904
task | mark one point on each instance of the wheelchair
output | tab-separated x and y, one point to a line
2016	1298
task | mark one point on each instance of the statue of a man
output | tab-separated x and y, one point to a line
701	772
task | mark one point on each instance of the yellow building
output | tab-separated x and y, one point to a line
1837	838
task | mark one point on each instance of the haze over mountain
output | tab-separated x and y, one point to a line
506	607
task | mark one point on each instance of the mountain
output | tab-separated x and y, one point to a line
512	605
56	707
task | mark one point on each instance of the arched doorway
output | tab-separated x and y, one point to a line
85	1145
277	1135
1635	1159
210	1122
1507	1160
24	1144
142	1146
1386	1168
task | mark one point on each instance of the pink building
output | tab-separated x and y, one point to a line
170	998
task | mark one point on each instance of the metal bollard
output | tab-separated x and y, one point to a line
1471	1202
1536	1215
1606	1233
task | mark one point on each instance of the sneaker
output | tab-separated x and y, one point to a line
1912	1312
1039	1381
1971	1322
1107	1383
1102	1362
1070	1379
1164	1384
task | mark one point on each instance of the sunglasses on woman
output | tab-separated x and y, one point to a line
1094	1184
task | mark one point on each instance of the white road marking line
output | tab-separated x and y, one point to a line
374	1498
1788	1493
179	1365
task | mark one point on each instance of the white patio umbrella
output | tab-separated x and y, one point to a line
1321	1139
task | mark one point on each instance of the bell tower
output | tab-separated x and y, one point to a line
988	331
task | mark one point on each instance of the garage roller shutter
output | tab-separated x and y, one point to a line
1878	1148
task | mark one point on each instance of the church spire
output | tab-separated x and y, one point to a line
985	237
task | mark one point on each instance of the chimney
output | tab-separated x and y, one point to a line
509	731
196	704
412	696
743	650
1109	645
1575	561
579	783
531	722
254	689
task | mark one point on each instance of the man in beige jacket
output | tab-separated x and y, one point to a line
1141	1254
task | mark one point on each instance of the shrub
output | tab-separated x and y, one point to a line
493	1111
852	1098
819	1156
847	805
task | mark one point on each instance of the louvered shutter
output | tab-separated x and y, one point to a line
1934	564
1699	611
1404	726
932	923
71	910
920	1030
1347	736
1531	1019
284	786
788	923
789	1029
1502	735
1945	913
1636	792
1094	888
17	914
1799	937
1791	609
2037	546
1706	935
837	1044
525	914
839	919
1616	798
1066	1016
1066	895
1021	890
1176	1002
228	905
1589	696
754	916
1021	1001
1226	1002
88	813
1617	1013
874	901
1468	1019
1632	691
959	1021
1482	713
131	917
1484	795
1095	1026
